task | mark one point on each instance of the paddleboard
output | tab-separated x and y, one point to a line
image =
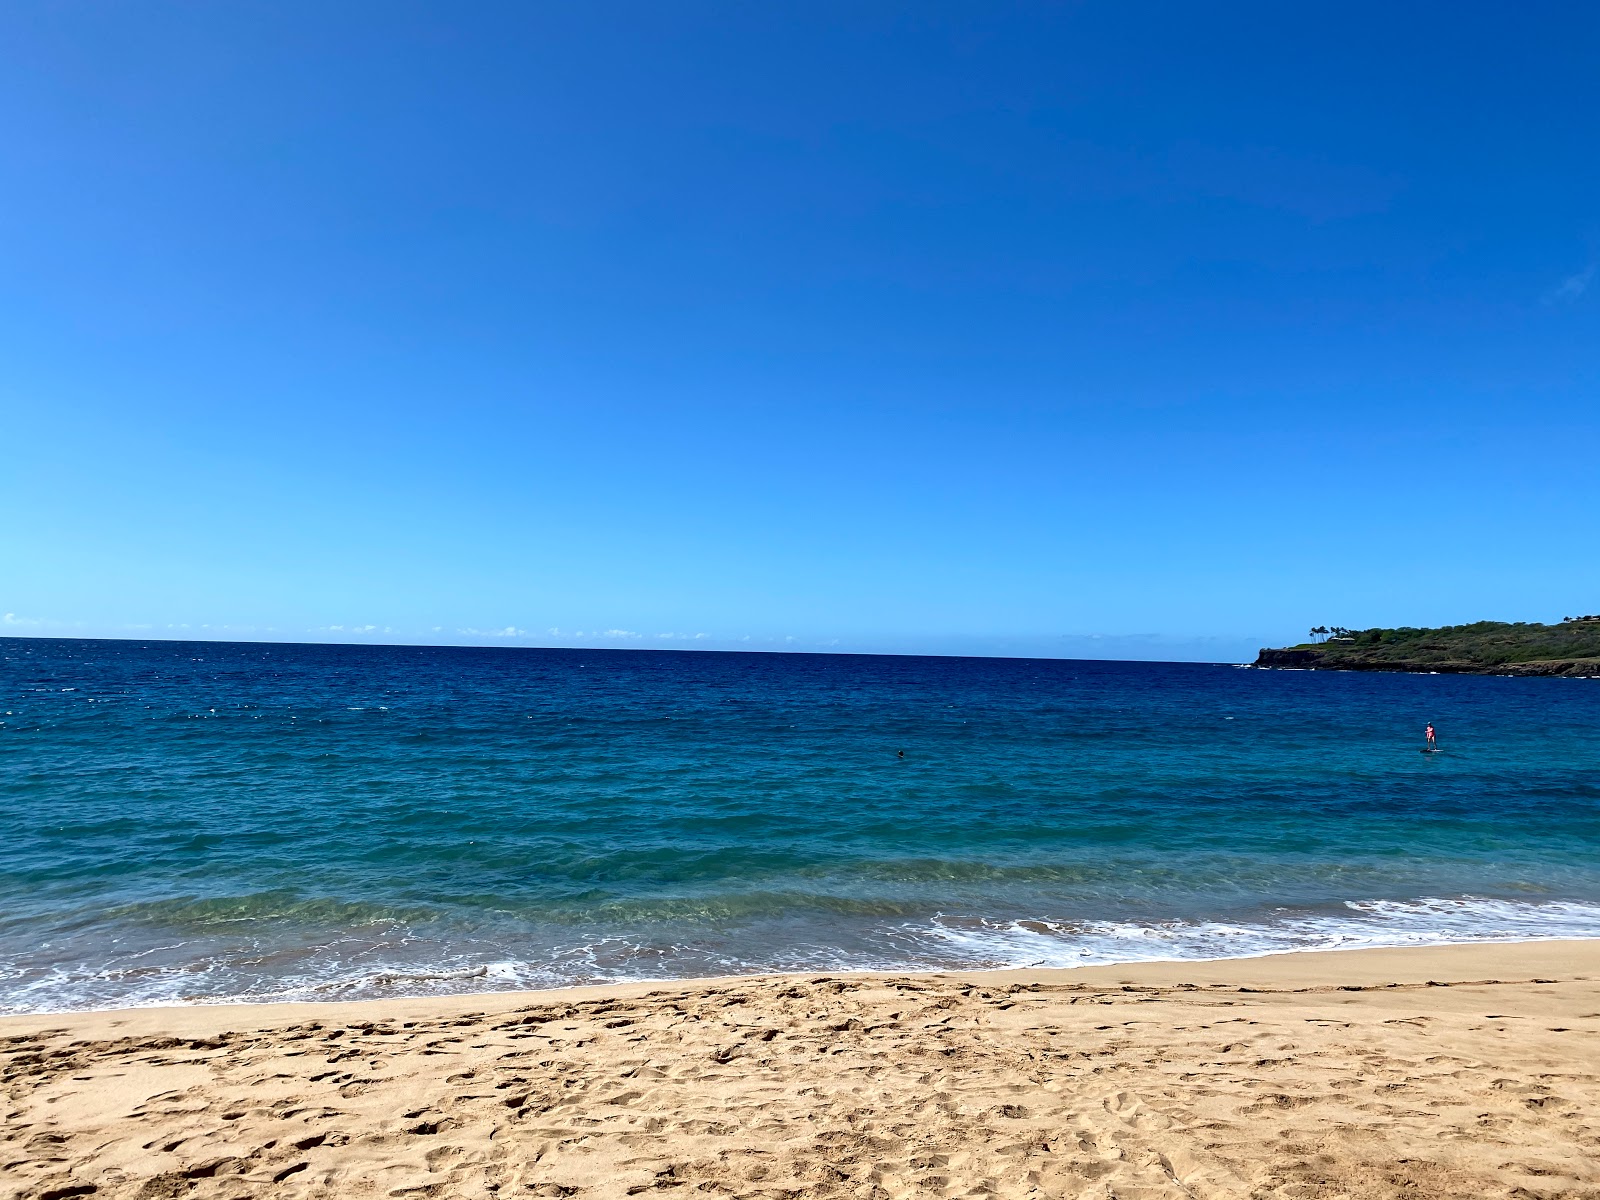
1435	750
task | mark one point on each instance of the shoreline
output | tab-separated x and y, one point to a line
1289	970
1442	1071
1089	972
1485	672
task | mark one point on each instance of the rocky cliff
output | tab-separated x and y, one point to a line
1571	648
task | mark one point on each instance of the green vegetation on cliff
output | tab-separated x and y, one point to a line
1569	648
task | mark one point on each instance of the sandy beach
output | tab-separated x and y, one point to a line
1457	1071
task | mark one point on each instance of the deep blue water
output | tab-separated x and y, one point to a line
195	821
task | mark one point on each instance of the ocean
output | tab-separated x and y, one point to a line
204	822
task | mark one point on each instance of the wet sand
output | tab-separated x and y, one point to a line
1468	1071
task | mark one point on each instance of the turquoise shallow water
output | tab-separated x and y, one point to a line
208	821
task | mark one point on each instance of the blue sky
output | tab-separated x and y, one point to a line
1145	330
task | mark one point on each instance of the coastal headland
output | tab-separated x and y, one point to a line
1465	1071
1570	648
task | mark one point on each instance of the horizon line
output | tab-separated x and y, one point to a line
41	637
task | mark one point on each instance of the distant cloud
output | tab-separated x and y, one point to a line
681	637
326	628
1573	286
15	622
510	631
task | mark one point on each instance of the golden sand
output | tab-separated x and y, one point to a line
1453	1072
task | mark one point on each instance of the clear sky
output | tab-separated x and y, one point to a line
1139	329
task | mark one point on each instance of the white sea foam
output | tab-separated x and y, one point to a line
1368	923
414	966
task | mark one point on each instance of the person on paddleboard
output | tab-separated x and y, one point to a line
1433	743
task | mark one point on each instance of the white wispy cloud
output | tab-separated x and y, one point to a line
1573	286
17	622
510	631
682	637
